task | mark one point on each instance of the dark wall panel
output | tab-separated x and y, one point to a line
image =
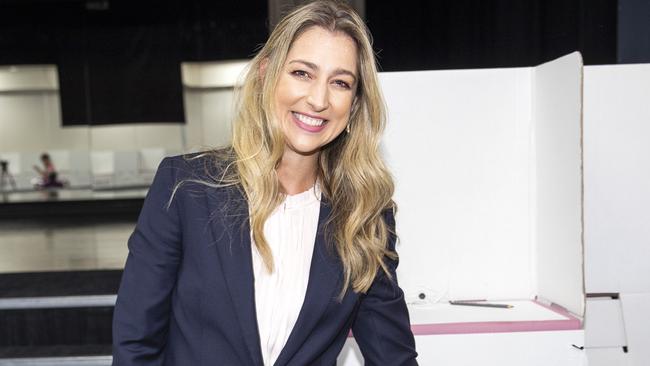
634	31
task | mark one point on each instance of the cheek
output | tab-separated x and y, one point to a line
344	106
280	96
287	92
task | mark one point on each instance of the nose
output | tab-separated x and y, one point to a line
318	98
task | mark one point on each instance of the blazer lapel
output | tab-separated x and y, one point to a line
234	251
322	289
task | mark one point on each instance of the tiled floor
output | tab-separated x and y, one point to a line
68	245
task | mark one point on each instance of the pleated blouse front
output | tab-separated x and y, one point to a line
290	232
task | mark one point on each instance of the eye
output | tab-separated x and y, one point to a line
342	84
300	74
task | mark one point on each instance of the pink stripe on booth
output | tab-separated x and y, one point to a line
570	323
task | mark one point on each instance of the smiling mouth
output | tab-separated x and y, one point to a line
310	121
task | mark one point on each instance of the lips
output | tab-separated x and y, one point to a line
308	123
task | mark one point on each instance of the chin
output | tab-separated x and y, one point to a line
306	150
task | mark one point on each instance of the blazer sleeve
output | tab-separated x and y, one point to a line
382	327
142	311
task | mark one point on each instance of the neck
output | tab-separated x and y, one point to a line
297	173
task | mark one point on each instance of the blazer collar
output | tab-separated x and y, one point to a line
235	257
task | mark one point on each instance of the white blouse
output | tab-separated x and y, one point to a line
290	232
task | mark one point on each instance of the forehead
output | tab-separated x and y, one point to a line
327	49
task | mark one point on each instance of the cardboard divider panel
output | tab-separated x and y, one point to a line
557	131
457	143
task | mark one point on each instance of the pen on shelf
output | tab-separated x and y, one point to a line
482	304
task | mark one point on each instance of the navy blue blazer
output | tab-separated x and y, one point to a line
187	292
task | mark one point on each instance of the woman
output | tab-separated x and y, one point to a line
47	175
270	251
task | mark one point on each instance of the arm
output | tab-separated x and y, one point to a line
141	316
382	327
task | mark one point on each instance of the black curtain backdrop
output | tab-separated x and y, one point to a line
457	34
119	61
122	64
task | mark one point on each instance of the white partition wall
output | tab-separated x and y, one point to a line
617	178
487	167
457	144
557	135
617	201
210	101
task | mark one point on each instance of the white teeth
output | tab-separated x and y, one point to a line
308	120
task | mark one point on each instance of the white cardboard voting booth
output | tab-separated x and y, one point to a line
488	172
617	197
617	188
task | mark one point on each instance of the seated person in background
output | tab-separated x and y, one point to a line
48	174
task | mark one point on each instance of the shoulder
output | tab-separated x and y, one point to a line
193	175
205	166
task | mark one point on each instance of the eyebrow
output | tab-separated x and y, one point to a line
315	67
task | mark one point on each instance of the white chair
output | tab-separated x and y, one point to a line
126	169
80	169
149	159
102	168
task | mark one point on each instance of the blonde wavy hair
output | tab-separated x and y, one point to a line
354	178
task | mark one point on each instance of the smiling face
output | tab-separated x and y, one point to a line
315	90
